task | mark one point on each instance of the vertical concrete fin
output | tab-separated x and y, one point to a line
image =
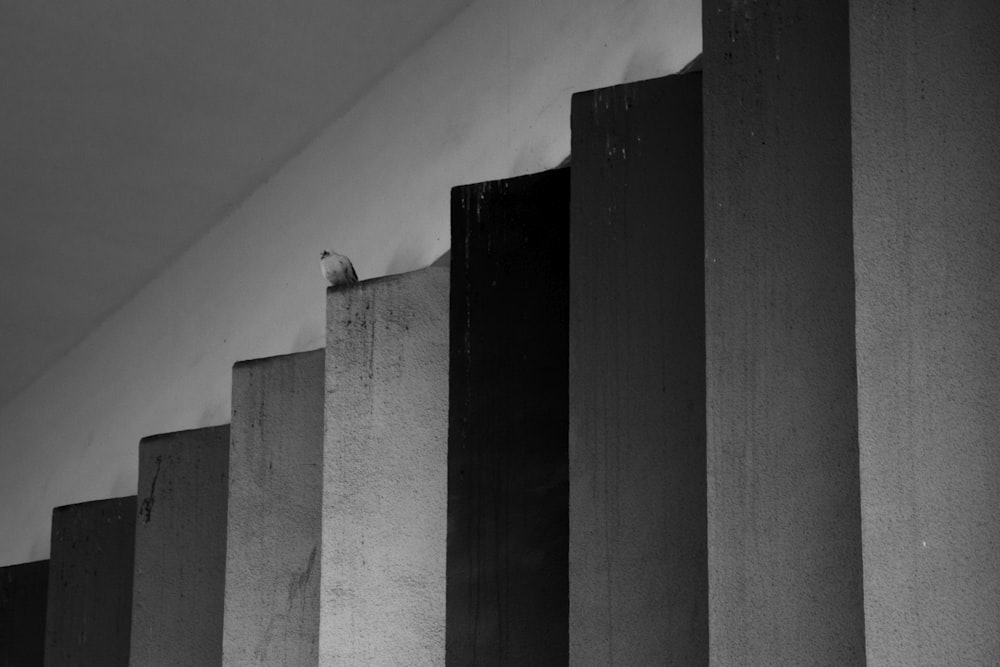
180	548
925	98
638	563
785	575
507	442
89	613
275	504
385	479
23	597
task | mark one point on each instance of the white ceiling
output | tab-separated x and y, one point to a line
129	127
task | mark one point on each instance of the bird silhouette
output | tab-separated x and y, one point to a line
337	269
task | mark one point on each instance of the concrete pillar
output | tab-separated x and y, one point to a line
508	588
925	86
385	472
180	549
23	596
89	613
784	518
638	562
275	506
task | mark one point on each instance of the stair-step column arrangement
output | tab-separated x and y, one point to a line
24	590
925	98
385	472
89	613
274	513
638	564
180	548
784	518
507	444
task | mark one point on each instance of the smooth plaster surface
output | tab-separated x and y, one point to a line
926	148
784	517
638	562
129	129
180	549
275	505
89	611
385	472
24	590
486	97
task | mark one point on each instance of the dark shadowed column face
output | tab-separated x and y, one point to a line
90	584
507	591
638	563
23	596
785	571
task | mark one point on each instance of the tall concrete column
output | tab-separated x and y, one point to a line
23	595
508	525
784	517
275	505
925	86
638	563
385	472
89	615
180	549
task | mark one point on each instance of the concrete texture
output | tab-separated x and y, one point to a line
274	517
925	87
23	594
485	97
784	518
637	550
507	585
180	549
385	472
90	584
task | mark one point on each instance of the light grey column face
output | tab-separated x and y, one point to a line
925	96
385	472
784	540
275	501
180	549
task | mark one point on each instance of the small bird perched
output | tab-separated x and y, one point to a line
337	269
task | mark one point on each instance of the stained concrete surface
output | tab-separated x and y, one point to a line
89	613
23	596
637	561
385	479
926	147
274	513
180	549
507	587
784	518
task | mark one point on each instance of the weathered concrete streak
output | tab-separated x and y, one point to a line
925	103
275	508
23	594
638	562
89	612
785	575
508	524
385	462
180	549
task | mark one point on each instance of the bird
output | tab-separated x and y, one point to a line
337	269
